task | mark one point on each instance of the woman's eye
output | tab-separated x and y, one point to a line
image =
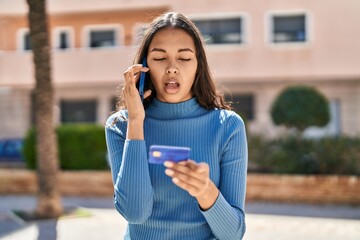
185	59
159	59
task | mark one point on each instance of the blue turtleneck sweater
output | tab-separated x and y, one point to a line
156	208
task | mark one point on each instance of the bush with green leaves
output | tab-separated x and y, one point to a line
81	146
300	107
293	155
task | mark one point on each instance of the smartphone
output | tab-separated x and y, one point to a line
142	80
158	154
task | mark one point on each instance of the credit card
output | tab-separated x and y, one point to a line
158	154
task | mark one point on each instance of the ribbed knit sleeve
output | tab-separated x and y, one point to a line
226	217
133	193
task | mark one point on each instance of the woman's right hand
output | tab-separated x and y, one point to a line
131	93
136	112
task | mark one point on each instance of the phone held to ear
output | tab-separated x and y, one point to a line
158	154
142	80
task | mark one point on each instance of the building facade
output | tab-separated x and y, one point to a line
255	50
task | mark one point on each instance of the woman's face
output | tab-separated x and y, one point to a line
172	62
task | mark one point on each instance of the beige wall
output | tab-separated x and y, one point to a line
332	52
345	92
9	25
14	112
330	60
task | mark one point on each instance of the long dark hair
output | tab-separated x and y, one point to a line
204	88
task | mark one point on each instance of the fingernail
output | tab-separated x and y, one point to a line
169	172
168	164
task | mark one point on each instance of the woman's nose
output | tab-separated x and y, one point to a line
172	70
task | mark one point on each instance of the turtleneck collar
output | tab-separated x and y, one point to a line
186	109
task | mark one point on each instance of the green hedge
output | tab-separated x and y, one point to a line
81	146
336	155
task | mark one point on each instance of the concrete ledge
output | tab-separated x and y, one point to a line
72	183
264	187
306	189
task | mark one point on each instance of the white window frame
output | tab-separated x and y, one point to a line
117	28
56	34
269	33
20	39
245	26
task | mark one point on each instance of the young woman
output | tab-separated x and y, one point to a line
203	197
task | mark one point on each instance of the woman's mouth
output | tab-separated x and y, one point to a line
172	87
172	84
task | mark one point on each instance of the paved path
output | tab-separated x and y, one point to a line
264	221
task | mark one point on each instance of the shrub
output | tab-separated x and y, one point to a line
337	155
300	107
81	146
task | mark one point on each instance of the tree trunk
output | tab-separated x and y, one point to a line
49	202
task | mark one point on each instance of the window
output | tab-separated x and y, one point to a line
64	41
102	36
63	38
78	111
291	28
114	102
27	42
243	104
221	30
24	41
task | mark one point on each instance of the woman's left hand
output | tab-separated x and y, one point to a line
195	179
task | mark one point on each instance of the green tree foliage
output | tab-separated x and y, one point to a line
300	107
